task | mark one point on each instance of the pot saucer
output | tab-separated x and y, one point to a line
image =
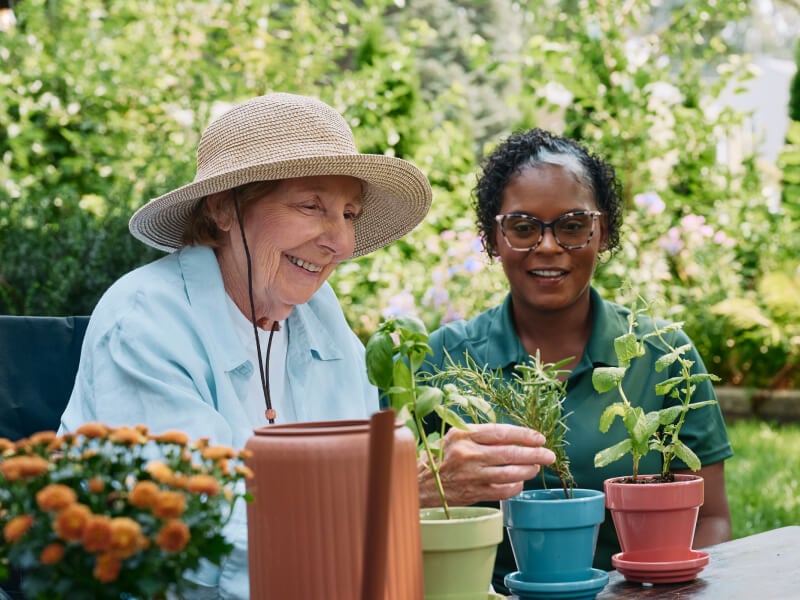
639	567
558	590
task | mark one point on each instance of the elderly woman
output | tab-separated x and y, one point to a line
237	326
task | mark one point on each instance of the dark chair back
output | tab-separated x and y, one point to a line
38	361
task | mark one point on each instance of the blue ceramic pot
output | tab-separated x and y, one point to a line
554	538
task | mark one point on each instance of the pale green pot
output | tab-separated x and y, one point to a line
458	553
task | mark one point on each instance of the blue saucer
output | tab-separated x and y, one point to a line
559	590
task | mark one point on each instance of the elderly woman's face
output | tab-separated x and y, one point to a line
296	234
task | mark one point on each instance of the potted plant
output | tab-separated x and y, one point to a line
553	532
114	512
655	514
458	543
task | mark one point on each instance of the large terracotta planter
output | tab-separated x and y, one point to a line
308	522
459	553
655	524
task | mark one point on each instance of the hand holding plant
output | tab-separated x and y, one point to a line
656	430
533	398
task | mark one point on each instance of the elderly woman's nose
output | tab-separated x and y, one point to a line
338	235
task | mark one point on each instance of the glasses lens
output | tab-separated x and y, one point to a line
573	229
521	231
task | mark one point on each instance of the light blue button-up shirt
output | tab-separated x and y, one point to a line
161	350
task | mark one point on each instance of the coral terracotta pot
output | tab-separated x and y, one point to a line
655	517
307	523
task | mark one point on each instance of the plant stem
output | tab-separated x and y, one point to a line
433	467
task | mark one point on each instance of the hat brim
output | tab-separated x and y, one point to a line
396	198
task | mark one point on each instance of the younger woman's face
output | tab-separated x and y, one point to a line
549	277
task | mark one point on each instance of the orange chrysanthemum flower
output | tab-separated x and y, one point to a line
107	568
55	497
143	494
180	481
70	522
218	452
160	472
17	527
92	430
203	484
96	535
244	454
245	470
128	436
172	437
23	467
126	537
173	536
42	437
169	505
6	444
52	554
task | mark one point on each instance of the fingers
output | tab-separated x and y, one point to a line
503	433
490	462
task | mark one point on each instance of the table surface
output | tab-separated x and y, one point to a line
764	566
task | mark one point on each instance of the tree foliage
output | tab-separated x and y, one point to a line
102	103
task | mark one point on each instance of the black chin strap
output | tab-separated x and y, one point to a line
263	366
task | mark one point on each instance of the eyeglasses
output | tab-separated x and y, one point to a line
572	230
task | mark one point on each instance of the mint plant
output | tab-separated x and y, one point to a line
394	355
655	430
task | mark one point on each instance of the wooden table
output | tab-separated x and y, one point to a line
764	566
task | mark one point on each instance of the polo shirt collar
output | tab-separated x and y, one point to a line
608	322
503	346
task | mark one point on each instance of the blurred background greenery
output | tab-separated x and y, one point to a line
102	103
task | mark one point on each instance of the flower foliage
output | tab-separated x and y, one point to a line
114	512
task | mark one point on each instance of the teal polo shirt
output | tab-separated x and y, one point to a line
491	340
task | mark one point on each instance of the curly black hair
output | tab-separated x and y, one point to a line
537	147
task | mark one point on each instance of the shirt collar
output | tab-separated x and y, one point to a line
504	348
608	322
205	291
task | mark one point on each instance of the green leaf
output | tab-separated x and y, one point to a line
451	417
669	415
618	409
411	325
665	387
428	398
627	347
683	452
380	359
667	359
612	454
695	405
605	379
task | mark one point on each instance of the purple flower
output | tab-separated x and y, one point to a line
650	201
671	242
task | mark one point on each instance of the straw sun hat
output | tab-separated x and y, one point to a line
280	136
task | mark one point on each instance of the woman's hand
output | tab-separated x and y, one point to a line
484	463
